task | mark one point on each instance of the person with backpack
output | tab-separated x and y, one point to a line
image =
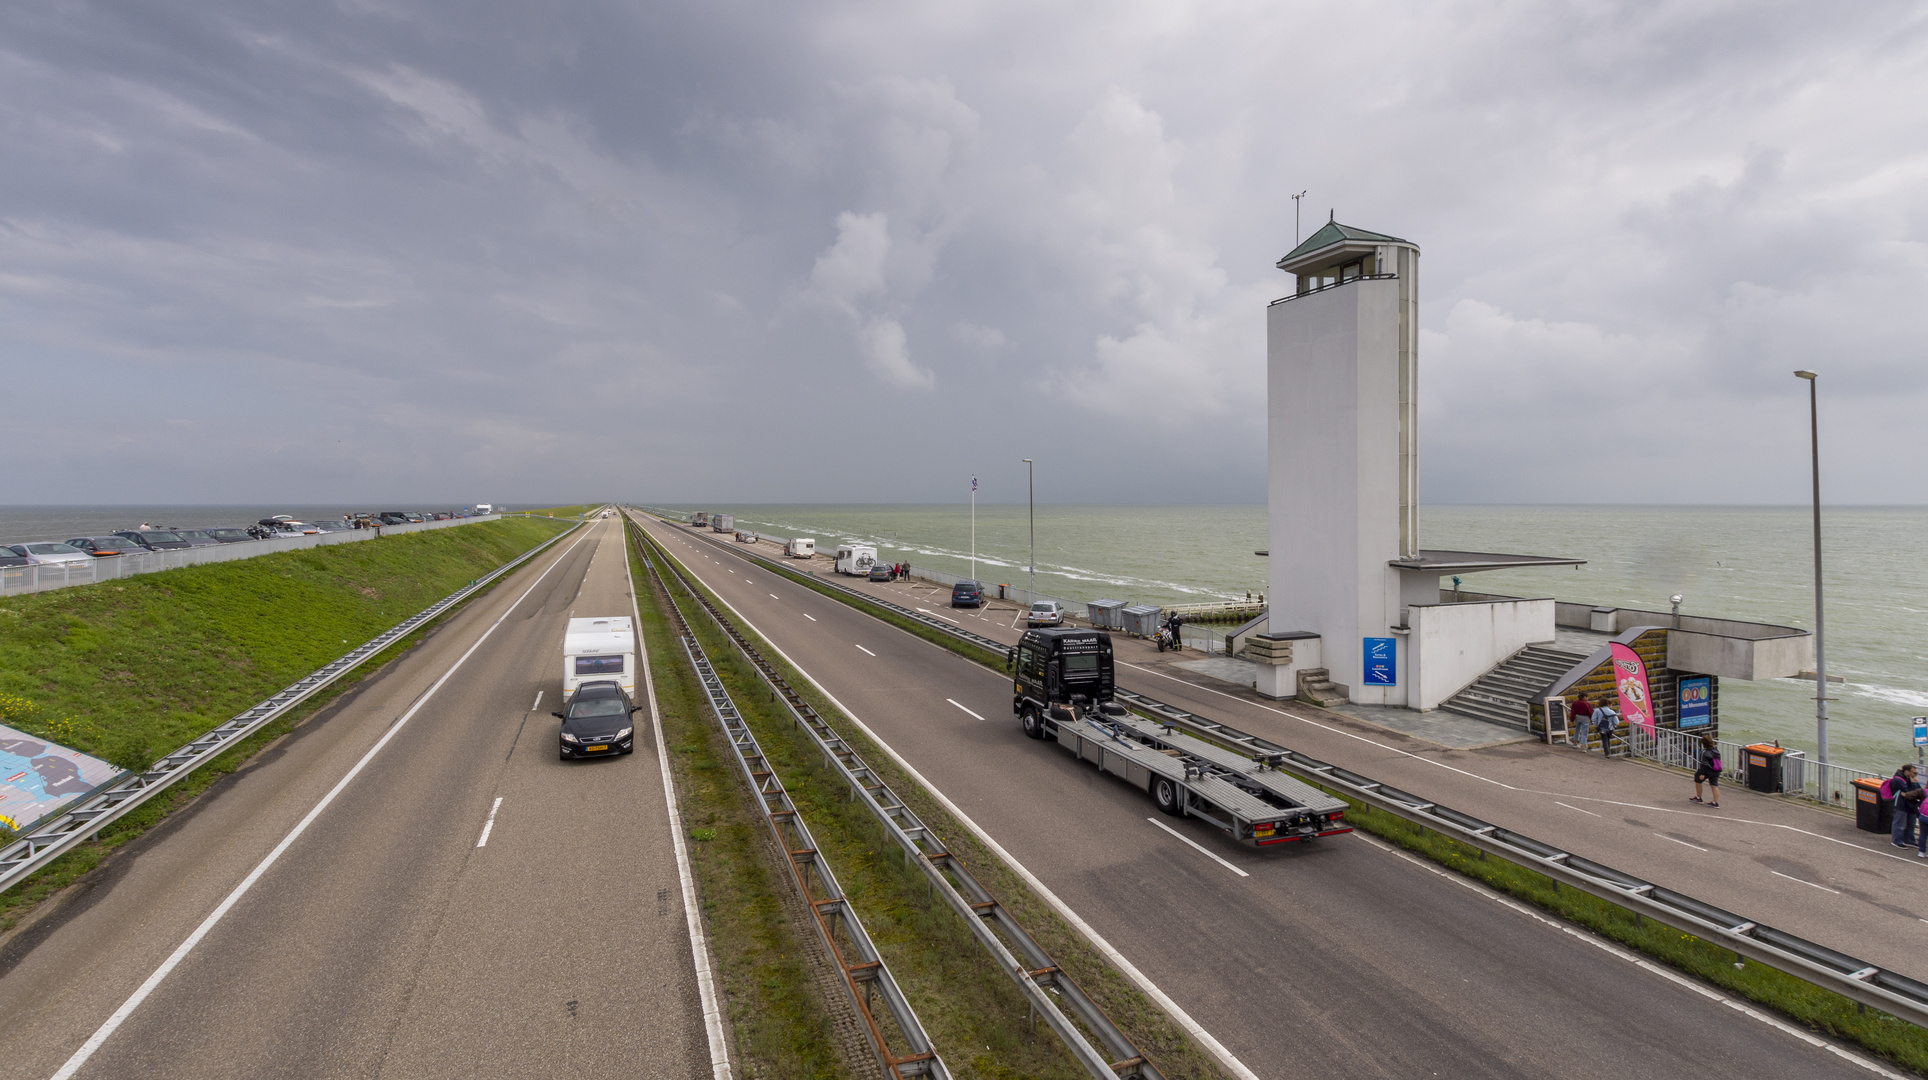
1907	792
1707	769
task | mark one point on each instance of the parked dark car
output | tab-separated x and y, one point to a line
392	517
414	517
11	558
100	547
197	537
230	536
333	525
155	540
598	722
881	571
967	594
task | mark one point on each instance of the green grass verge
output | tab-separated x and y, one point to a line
776	1015
1821	1010
964	1001
562	511
132	669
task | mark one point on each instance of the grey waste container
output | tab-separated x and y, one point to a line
1141	620
1105	614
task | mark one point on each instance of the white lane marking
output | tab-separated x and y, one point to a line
809	616
1200	848
944	617
967	711
489	825
1633	958
1682	843
113	1023
1809	884
699	943
1172	1008
1588	813
538	701
867	651
774	596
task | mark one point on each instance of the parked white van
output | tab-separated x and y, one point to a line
802	547
598	649
484	508
855	559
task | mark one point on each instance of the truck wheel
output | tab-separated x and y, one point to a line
1166	794
1033	725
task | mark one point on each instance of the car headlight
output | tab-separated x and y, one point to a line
623	734
568	738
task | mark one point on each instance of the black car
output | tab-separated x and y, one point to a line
155	540
967	594
597	723
101	547
197	537
230	535
10	557
392	517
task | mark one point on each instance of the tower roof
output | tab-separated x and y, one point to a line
1334	238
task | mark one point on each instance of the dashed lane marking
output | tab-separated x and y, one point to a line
489	825
809	616
866	652
1588	813
966	711
1200	848
1682	843
1809	884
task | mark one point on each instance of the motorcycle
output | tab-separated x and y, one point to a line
1168	639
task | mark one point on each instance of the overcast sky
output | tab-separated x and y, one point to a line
717	251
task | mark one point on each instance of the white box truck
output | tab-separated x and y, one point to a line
599	649
802	547
723	523
855	559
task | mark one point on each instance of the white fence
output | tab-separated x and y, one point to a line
42	577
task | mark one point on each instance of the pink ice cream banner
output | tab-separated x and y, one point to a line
1630	680
38	777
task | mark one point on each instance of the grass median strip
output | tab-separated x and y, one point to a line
131	669
964	1001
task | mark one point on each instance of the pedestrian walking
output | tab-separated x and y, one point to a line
1907	792
1581	710
1707	769
1605	722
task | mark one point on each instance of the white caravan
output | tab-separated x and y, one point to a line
599	649
484	508
802	547
855	559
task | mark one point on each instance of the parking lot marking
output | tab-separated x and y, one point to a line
1809	884
1682	843
489	825
867	651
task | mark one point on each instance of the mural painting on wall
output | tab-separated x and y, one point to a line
1630	680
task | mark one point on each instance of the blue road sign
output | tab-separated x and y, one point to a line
1382	661
1921	731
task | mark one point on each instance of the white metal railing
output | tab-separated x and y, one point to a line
1830	783
42	577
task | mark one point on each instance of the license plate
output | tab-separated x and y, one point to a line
604	746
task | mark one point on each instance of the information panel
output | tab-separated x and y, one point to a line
1382	661
1696	701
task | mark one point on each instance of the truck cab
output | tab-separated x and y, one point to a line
1051	667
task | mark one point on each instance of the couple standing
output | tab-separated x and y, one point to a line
1909	829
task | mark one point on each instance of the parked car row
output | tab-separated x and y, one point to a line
80	549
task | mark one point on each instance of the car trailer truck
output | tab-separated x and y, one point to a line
1062	686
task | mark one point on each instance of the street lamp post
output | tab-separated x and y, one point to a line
1031	483
1820	641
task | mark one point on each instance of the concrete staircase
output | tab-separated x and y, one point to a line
1316	688
1501	695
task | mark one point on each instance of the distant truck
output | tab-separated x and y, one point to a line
599	649
856	559
802	547
723	523
700	519
484	508
1063	688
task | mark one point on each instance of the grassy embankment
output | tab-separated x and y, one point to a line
963	1000
131	669
1816	1007
560	511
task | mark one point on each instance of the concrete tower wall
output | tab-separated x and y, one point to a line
1340	448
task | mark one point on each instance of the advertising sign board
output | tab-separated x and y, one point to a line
1696	695
1630	682
1382	661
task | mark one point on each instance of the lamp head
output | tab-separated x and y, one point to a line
1808	375
1674	599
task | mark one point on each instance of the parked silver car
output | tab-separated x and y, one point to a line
1044	613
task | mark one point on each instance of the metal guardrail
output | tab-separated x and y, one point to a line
1853	978
51	838
1019	955
862	967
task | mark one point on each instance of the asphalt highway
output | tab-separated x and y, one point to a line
388	939
1341	959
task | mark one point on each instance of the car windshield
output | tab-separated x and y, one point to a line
192	534
1044	606
162	538
964	586
53	549
225	534
607	706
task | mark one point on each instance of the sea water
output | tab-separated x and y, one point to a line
1751	563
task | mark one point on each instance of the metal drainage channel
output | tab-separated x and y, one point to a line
108	803
837	922
1852	978
1035	974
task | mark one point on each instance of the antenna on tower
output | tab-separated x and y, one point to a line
1295	218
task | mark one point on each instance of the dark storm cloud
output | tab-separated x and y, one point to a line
857	252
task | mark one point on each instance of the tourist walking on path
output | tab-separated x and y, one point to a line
1707	769
1605	720
1907	793
1582	713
